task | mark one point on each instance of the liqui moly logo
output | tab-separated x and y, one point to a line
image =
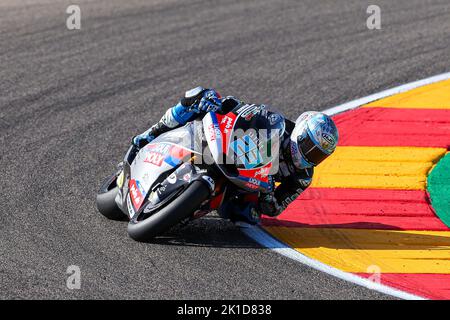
228	123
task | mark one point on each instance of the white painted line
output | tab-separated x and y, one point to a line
266	240
383	94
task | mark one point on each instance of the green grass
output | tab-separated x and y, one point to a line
439	189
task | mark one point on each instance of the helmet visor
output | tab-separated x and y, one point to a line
311	151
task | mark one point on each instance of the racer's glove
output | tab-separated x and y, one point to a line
148	136
141	140
209	102
268	205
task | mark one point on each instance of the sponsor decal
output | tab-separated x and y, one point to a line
161	189
178	152
271	183
211	132
244	108
187	177
263	172
226	128
137	193
251	186
200	171
154	158
228	122
156	153
254	181
141	188
172	178
251	111
295	154
288	200
120	180
130	208
246	150
162	148
329	140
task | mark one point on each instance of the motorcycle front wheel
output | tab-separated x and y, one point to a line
182	207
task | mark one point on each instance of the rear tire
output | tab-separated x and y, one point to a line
106	200
179	209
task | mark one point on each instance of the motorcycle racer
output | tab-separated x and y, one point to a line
304	144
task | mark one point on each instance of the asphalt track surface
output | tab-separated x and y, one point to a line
71	100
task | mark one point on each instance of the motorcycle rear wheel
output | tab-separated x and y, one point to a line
179	209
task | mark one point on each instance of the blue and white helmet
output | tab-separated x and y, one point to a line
313	139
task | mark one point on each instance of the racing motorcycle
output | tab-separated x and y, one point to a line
190	171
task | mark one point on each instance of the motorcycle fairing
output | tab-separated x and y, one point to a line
163	154
219	130
169	188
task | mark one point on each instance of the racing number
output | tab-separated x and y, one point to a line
247	152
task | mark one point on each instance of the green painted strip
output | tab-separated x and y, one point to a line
439	189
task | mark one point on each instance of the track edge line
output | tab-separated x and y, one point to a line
263	238
268	241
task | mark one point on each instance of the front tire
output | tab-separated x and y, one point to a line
179	209
106	200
